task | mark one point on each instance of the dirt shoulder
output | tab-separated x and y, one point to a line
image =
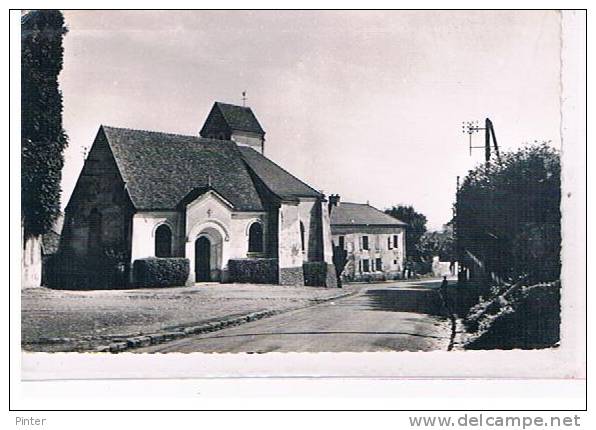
58	320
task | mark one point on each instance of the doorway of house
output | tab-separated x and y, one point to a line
203	259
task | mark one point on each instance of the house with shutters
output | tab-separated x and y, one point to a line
374	241
210	198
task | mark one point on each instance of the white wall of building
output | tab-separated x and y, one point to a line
144	225
210	216
290	247
380	245
31	261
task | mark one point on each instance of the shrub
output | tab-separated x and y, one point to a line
253	270
69	272
393	276
508	216
521	317
160	272
315	273
423	267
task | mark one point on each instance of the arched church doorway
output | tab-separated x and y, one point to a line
202	259
206	252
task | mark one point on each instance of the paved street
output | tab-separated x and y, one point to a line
400	316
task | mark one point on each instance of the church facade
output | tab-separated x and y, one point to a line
211	198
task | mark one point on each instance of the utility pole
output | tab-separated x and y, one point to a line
458	251
456	193
471	127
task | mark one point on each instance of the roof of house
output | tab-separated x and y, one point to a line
161	169
361	214
275	178
238	117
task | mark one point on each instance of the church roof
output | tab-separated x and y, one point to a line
279	181
160	169
235	117
361	214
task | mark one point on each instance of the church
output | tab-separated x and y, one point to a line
213	199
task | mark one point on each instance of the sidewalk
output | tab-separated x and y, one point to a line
58	320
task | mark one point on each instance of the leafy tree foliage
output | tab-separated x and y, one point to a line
438	243
508	214
42	137
415	229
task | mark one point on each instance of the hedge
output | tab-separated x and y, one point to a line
69	272
42	136
508	217
315	273
253	270
160	272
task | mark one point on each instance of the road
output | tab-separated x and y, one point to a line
399	316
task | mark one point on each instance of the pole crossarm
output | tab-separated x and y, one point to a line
471	127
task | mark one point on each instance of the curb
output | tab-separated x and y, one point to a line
178	333
461	336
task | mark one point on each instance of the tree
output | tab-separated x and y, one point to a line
42	137
438	243
508	215
340	259
415	229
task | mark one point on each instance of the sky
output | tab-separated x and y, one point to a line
367	105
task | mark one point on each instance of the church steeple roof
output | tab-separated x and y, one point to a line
231	118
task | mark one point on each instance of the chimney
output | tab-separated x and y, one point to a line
334	200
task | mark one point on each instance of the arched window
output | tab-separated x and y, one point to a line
255	237
94	236
163	241
302	236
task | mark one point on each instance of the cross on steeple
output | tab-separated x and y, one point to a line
244	98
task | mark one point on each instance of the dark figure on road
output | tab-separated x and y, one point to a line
447	298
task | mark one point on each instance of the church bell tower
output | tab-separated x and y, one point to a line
237	123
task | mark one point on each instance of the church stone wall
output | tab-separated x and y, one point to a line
290	247
310	216
99	187
317	237
326	233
